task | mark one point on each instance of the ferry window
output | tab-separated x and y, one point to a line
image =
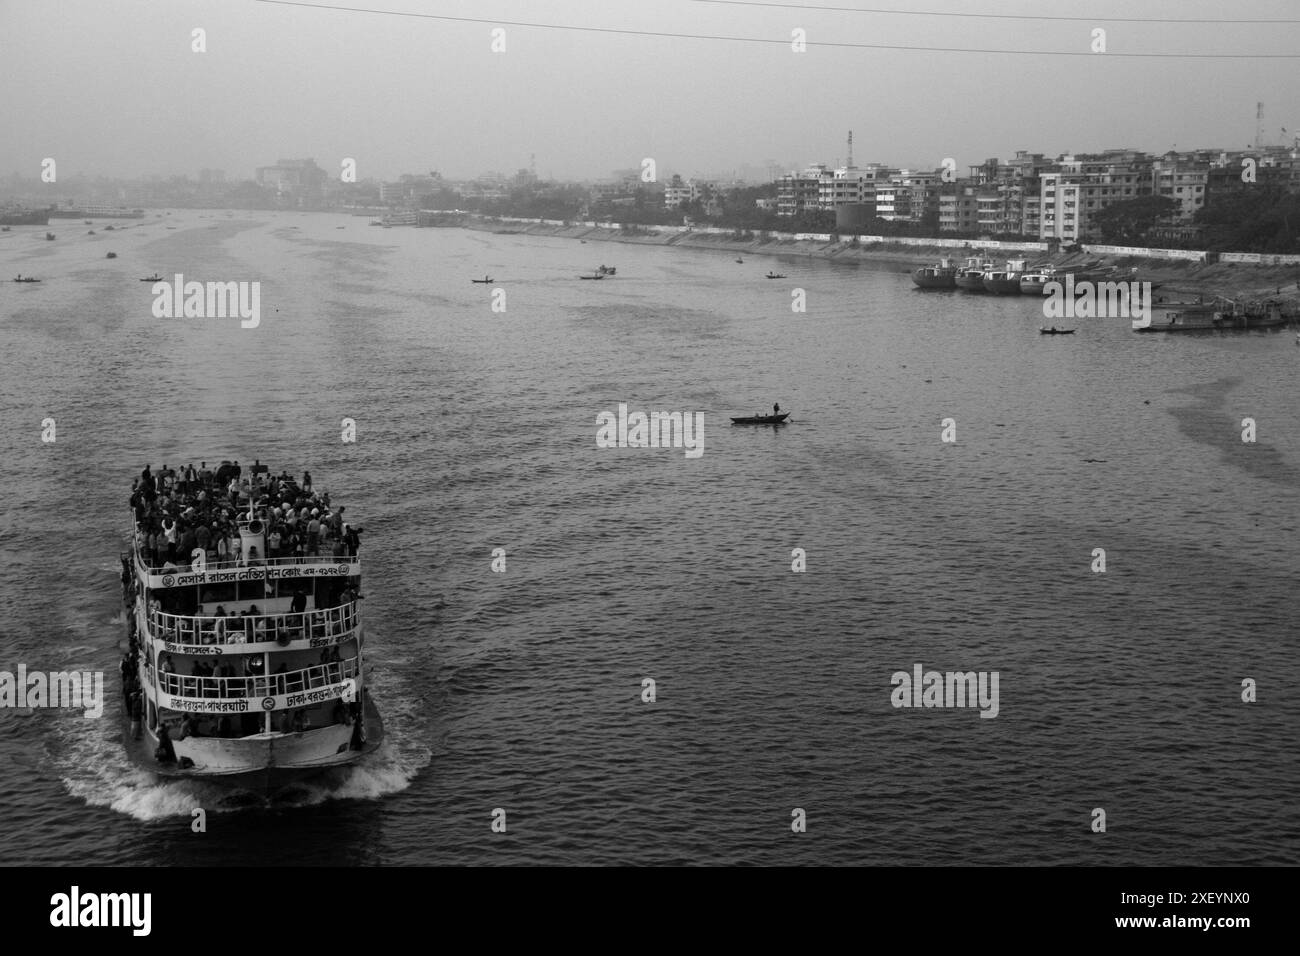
251	591
217	594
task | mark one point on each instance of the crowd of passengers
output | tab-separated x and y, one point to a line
180	510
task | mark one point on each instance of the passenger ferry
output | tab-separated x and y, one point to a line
245	663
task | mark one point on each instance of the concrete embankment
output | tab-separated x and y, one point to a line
1179	278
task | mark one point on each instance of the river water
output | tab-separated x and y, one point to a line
523	690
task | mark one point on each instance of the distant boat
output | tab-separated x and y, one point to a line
49	236
970	277
483	281
775	275
27	279
1055	331
598	275
111	255
16	216
607	270
941	275
1221	315
762	419
1005	281
153	278
741	261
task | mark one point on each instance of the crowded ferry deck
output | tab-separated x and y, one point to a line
245	657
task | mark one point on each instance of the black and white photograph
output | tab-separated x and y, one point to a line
628	435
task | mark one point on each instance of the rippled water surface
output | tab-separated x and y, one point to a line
522	690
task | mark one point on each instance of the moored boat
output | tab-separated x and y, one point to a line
941	275
970	277
484	281
1220	315
230	677
1055	331
761	419
18	216
1005	281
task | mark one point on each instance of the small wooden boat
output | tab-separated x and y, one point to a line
596	276
153	278
1055	331
483	281
607	270
741	261
49	236
775	275
762	419
111	255
26	279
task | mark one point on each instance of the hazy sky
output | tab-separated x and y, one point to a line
113	88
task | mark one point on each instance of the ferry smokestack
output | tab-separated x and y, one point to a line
252	535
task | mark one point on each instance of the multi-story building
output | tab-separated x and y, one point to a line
1059	197
958	206
797	193
1183	178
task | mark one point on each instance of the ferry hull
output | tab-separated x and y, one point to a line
264	764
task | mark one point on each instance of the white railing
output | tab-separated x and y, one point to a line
259	685
331	622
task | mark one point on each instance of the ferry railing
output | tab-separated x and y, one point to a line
259	685
332	622
185	564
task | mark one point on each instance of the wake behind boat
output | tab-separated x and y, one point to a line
229	676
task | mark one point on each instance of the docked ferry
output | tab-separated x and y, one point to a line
246	644
1220	315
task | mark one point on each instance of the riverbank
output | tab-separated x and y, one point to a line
1178	278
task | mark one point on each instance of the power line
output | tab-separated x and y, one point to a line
783	42
976	16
